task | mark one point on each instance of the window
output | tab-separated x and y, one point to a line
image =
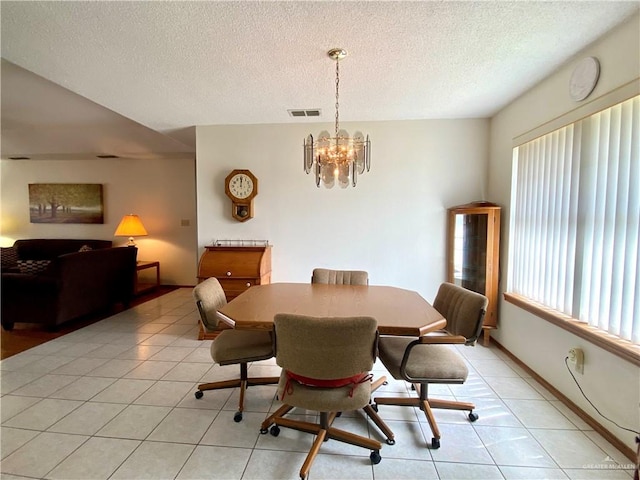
575	219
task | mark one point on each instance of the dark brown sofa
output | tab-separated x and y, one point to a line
52	281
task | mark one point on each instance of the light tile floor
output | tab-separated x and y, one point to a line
115	400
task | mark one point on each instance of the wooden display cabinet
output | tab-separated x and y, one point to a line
236	268
473	251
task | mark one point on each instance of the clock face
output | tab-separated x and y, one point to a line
241	185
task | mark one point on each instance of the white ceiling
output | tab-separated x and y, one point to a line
168	66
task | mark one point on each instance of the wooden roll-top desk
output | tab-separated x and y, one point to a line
237	268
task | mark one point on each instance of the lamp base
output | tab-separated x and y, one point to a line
131	243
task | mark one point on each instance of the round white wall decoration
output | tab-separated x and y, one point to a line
584	78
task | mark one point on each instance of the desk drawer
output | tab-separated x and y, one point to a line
235	286
238	284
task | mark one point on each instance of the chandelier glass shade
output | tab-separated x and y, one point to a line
341	158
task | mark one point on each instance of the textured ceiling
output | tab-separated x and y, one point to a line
172	65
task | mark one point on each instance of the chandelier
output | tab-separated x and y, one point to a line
339	158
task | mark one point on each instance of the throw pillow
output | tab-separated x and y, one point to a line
8	257
85	248
33	267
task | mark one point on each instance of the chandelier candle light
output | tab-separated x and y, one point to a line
337	158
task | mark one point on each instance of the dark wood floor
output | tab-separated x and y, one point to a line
28	335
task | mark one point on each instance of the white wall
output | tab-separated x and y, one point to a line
160	191
393	224
611	383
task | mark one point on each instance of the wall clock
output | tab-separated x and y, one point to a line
241	186
584	78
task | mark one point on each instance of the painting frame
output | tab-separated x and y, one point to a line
66	203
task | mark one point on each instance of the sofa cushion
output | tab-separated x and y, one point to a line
33	267
8	258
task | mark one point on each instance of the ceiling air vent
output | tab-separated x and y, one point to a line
19	158
311	112
107	156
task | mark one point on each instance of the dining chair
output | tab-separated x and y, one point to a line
325	368
432	358
231	347
341	277
348	277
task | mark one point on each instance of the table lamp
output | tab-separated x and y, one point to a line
130	226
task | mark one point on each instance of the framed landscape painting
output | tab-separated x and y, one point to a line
65	203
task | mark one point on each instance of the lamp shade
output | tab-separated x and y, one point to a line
130	226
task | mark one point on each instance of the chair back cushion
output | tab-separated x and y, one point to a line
463	309
325	348
209	297
341	277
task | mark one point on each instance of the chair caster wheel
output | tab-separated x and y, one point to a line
338	414
374	406
473	417
237	417
264	431
199	394
391	441
385	382
435	443
275	430
375	457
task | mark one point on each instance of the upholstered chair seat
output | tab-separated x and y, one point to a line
232	346
438	363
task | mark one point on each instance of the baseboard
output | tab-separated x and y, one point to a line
612	439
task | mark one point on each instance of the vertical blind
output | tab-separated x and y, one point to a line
575	218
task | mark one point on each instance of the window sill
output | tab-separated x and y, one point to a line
610	343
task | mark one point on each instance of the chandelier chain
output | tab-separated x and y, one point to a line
337	94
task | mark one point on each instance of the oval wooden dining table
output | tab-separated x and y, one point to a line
397	311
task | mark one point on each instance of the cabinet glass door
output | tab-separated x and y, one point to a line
470	251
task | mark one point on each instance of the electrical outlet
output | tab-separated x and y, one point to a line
576	357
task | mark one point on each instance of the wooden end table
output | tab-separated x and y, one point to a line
140	287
